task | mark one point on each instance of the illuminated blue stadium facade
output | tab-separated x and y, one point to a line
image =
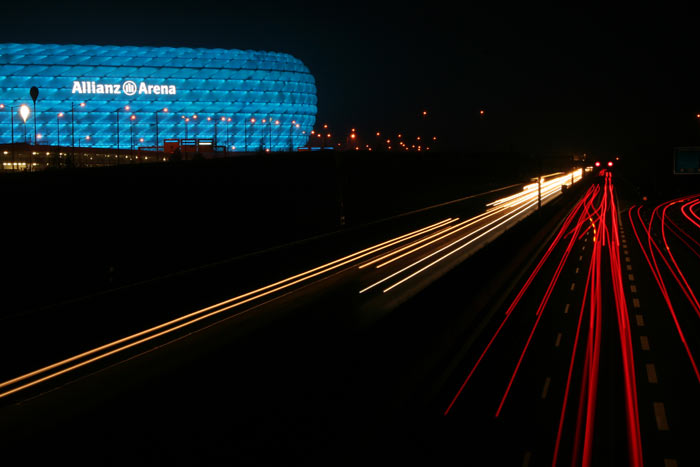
224	89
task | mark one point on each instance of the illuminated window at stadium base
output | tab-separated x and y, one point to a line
242	99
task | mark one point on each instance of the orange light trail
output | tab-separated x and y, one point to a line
524	201
456	228
498	224
101	352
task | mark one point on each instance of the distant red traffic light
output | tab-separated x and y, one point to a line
597	164
609	163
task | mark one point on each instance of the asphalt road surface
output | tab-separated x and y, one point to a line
490	339
569	375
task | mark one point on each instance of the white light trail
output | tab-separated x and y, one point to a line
520	202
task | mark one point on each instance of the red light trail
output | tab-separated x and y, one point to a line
597	211
648	251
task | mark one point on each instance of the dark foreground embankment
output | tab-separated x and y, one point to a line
72	232
316	385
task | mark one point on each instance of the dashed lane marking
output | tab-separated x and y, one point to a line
633	288
640	320
580	258
635	302
630	277
558	341
627	259
526	459
651	373
660	414
644	340
545	389
566	309
573	284
629	267
670	463
576	271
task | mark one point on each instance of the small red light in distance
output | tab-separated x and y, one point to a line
609	163
597	164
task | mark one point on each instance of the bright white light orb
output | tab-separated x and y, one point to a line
24	112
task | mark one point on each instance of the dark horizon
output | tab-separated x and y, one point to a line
552	81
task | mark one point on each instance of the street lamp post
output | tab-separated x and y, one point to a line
186	119
324	134
277	124
72	132
228	126
165	110
245	128
539	191
269	132
132	118
424	123
87	141
353	139
209	119
72	128
127	108
223	119
34	93
291	130
58	130
262	131
12	131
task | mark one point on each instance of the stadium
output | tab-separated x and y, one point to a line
122	97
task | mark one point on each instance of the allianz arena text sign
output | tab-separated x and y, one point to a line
128	88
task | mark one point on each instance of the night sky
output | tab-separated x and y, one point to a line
550	81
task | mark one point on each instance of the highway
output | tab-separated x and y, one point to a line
419	255
663	282
583	367
570	340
